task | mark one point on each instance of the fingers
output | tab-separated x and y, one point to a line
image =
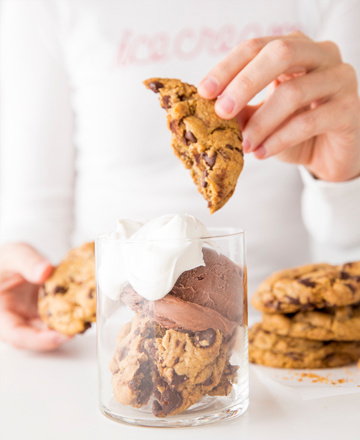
246	113
217	79
25	260
276	58
329	116
23	335
291	96
254	64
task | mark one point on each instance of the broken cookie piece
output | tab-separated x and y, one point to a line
67	299
175	367
206	144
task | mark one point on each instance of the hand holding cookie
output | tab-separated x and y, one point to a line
312	115
22	270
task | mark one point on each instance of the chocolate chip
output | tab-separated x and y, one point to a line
329	358
91	293
230	147
157	393
151	350
277	305
166	102
197	158
292	300
157	409
344	275
86	326
133	384
144	368
206	338
208	381
201	277
307	282
60	290
224	155
270	304
176	361
155	86
294	356
351	287
204	176
150	333
240	151
123	353
177	343
306	307
170	401
209	160
190	137
145	388
178	379
174	125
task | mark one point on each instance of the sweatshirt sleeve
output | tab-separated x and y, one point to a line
331	214
331	210
37	154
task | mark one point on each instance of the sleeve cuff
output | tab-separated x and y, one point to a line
331	210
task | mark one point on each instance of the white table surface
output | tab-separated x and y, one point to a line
54	396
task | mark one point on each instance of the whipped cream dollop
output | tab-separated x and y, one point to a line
150	256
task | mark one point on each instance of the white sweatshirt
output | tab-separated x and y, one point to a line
84	143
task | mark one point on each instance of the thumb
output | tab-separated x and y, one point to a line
23	259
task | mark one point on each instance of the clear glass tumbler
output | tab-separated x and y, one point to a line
181	360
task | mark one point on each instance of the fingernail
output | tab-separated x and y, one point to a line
260	152
209	85
225	104
246	145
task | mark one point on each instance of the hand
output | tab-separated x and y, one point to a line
22	270
312	114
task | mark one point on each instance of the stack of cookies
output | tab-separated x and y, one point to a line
311	317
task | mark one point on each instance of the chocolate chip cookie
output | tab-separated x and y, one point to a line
273	350
335	323
67	300
188	366
309	287
132	364
207	145
175	367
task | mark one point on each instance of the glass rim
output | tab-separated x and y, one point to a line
232	232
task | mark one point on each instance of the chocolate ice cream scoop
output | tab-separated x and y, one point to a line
210	296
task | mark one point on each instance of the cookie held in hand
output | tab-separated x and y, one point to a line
67	300
209	146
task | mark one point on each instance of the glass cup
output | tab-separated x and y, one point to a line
181	360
